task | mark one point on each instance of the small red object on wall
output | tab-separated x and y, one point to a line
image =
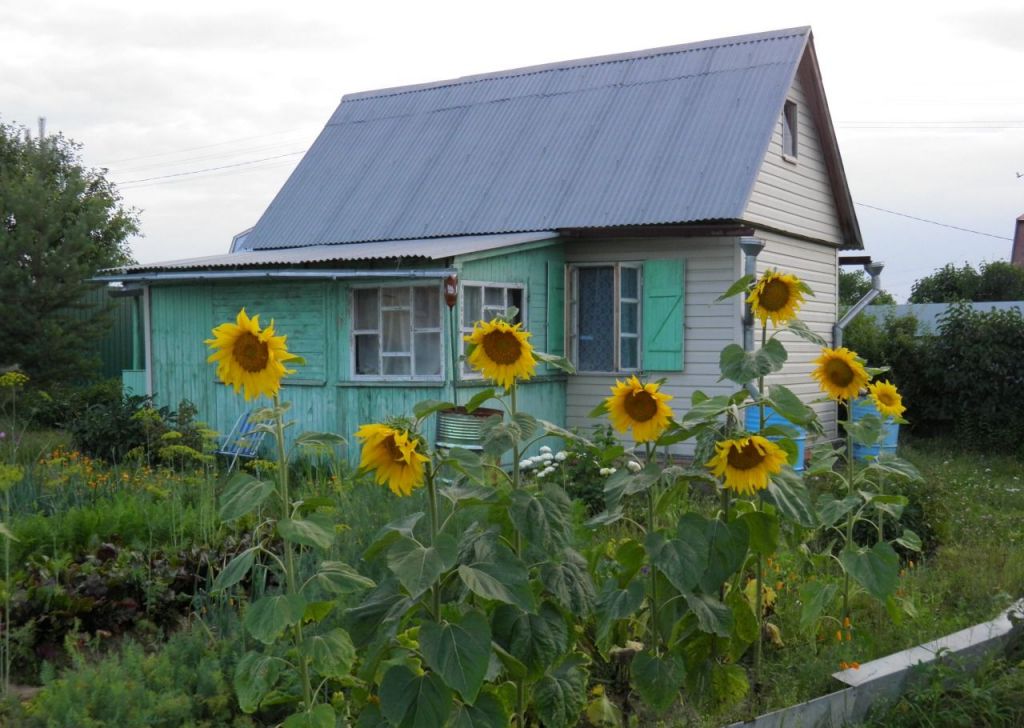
451	290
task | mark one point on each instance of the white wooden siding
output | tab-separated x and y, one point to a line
795	196
817	265
711	266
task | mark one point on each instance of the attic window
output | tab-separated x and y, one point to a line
789	131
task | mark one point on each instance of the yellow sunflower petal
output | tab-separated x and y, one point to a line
248	358
393	456
776	296
747	464
502	352
887	399
840	374
639	407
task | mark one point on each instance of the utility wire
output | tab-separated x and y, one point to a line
212	169
931	222
204	146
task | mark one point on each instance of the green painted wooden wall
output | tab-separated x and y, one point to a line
315	317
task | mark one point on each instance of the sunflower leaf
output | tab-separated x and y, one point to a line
788	405
316	529
559	362
740	286
479	398
745	366
801	329
243	495
429	406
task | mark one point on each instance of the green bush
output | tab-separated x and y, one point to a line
186	683
962	382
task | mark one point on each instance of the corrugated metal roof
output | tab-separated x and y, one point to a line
669	135
421	249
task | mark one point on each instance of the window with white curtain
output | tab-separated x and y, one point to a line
396	332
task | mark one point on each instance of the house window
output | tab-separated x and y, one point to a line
397	332
481	302
789	130
605	317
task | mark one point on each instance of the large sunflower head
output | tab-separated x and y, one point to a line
887	399
501	352
840	374
249	357
776	296
640	407
747	463
394	456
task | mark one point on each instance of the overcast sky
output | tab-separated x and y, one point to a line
927	97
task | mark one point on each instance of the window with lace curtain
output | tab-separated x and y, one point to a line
605	317
396	333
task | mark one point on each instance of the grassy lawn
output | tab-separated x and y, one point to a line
970	507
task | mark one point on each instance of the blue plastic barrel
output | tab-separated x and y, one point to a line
753	424
890	428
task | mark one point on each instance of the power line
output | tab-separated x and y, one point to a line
204	146
931	222
212	169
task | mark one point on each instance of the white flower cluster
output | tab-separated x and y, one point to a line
545	462
607	471
634	466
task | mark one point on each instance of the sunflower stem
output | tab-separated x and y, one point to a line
849	521
289	556
759	566
516	475
435	593
655	642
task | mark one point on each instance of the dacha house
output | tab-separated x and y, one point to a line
609	200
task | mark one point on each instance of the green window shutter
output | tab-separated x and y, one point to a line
664	283
555	343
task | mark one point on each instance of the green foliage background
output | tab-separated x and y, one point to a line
996	281
964	382
59	223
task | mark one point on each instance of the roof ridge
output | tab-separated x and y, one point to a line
580	63
618	84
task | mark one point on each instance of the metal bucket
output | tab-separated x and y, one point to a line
458	428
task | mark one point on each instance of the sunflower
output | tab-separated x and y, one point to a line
640	407
776	296
249	357
840	373
747	463
887	399
393	454
501	352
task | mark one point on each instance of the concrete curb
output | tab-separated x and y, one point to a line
886	677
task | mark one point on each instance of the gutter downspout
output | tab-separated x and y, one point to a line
873	269
751	248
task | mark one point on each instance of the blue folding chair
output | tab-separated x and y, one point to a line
243	441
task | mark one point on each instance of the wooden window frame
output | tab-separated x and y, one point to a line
413	330
465	371
573	323
790	131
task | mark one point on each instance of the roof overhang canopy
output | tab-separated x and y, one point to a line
311	262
